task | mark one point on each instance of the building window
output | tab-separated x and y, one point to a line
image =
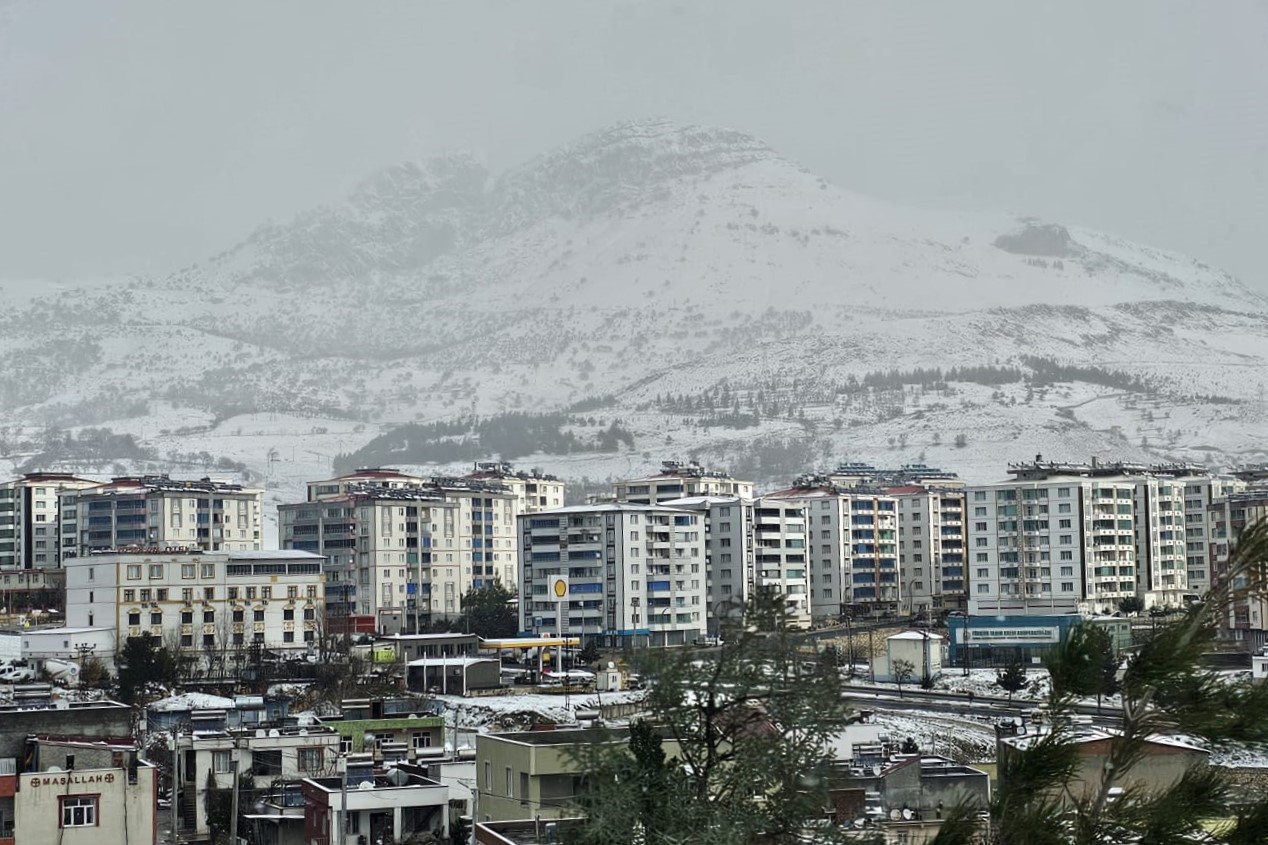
156	571
421	739
129	596
79	811
233	594
134	572
209	570
220	762
209	593
288	636
258	616
310	760
345	746
288	614
188	570
156	618
187	640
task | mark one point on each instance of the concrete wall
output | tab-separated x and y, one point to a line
108	720
126	812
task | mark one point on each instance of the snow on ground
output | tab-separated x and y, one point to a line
962	737
193	701
502	712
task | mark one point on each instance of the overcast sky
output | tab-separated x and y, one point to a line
136	137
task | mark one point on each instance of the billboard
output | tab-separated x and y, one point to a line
1013	635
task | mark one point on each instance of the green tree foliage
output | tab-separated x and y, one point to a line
1130	605
1085	664
144	661
734	749
487	612
1012	679
1165	691
589	654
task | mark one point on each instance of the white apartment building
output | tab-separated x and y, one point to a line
1201	491
932	536
470	529
1052	541
382	546
215	603
29	508
729	559
1228	517
534	491
866	475
156	511
635	573
780	562
852	542
677	480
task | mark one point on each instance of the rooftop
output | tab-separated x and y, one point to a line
609	507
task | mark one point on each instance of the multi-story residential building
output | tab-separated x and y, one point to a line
213	603
866	475
1228	517
932	536
780	562
635	573
156	511
534	491
1054	539
729	552
852	543
1201	490
29	508
404	543
380	545
677	480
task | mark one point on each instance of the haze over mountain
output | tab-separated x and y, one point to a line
683	289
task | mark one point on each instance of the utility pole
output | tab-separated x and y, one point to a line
176	780
342	823
233	805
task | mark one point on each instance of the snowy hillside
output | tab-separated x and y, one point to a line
632	277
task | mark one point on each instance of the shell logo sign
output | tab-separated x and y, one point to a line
559	587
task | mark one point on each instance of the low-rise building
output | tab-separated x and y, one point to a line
678	480
908	793
381	808
919	652
1163	759
79	791
210	754
397	727
531	774
215	604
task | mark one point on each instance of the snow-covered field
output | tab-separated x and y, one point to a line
515	711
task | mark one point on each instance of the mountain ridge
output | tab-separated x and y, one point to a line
439	290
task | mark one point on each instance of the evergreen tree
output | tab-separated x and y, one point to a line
487	612
1012	679
143	660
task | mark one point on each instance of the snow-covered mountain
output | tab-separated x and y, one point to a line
644	274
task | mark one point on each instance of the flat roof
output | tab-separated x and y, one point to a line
450	661
56	631
531	642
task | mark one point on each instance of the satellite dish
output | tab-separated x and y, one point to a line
611	665
895	814
397	778
274	732
907	814
876	770
365	784
53	769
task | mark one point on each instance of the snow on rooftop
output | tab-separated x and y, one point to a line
193	701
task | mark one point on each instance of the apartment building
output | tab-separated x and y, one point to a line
635	574
1228	517
534	491
678	480
932	539
213	603
29	508
852	546
159	511
405	543
919	475
380	544
729	560
1053	539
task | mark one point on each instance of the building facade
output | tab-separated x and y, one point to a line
29	508
635	574
678	480
156	511
932	536
730	572
534	491
401	543
214	603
